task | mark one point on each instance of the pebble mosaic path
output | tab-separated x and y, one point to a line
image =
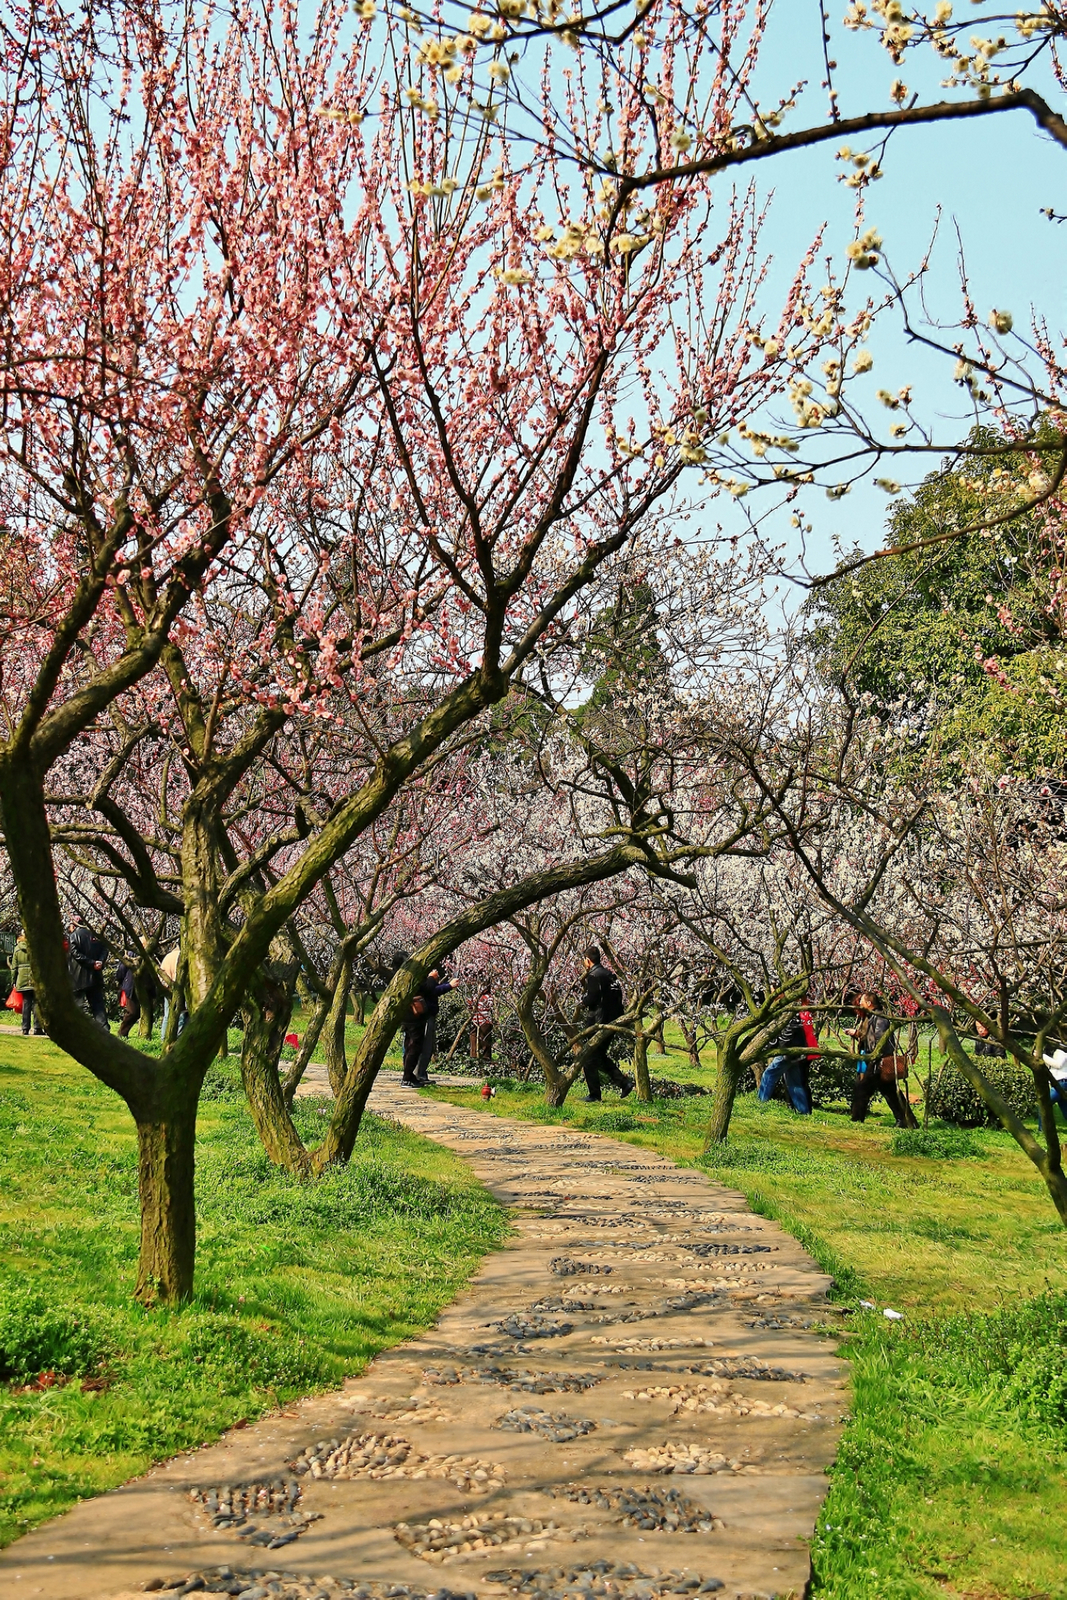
636	1399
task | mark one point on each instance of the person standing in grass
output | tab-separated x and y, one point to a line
87	954
22	974
1057	1071
789	1065
873	1034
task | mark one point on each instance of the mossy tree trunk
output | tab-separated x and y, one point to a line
691	1036
267	1013
166	1162
730	1069
334	1030
642	1035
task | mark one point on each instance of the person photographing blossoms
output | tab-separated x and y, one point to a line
420	1030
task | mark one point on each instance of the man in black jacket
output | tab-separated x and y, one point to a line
420	1030
88	952
604	1003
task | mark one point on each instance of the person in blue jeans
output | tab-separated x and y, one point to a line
788	1068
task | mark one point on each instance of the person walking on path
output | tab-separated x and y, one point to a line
22	975
88	952
604	1002
876	1070
788	1065
420	1030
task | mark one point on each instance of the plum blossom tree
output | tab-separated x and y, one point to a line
286	440
689	93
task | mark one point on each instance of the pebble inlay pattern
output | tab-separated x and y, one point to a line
384	1455
652	1510
748	1319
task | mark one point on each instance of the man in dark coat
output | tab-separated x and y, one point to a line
420	1030
604	1002
88	952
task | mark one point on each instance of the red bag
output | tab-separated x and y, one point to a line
14	1001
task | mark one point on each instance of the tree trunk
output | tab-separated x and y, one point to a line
361	1007
165	1181
266	1019
334	1031
727	1079
644	1087
658	1036
690	1036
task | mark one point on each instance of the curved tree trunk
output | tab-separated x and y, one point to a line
644	1086
266	1019
334	1032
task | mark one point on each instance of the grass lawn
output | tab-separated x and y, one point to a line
296	1286
951	1479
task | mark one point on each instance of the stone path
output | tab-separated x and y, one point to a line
631	1400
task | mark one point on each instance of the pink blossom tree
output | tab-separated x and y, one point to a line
303	440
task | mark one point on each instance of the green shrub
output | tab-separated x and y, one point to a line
36	1337
223	1081
831	1079
943	1144
951	1099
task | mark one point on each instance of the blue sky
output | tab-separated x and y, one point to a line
990	178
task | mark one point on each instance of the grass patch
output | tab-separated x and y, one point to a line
297	1286
952	1473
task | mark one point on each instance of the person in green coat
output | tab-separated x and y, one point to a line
20	966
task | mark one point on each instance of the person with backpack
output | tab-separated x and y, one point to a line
604	1002
788	1065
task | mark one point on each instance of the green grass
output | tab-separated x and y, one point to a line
296	1286
951	1478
